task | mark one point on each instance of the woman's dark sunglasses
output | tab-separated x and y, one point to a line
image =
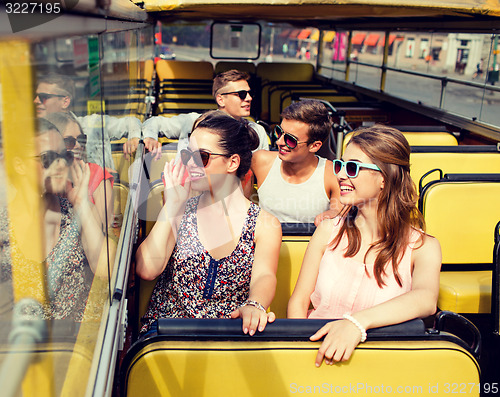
290	141
241	93
351	167
43	96
200	157
48	157
70	141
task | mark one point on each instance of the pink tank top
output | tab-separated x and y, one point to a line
345	285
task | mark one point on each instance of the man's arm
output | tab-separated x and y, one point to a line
332	190
171	127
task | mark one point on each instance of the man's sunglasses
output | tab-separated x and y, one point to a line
241	93
43	96
48	157
351	167
200	157
290	141
70	141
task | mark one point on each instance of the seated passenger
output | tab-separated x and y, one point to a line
100	179
74	242
233	96
55	93
216	253
373	265
294	184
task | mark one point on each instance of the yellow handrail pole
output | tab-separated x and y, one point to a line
23	193
383	76
348	56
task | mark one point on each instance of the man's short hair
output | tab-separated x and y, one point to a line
65	84
222	79
313	113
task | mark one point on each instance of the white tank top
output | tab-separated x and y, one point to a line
291	202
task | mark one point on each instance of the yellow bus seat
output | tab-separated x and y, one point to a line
274	73
329	97
185	107
149	67
53	359
453	159
495	287
461	211
122	165
172	69
209	361
290	261
224	66
277	91
420	139
120	196
285	71
155	167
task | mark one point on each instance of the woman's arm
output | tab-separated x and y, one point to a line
300	299
104	202
263	279
343	336
153	254
98	248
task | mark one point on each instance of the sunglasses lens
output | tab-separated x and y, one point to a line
290	141
48	158
243	94
204	156
278	132
337	166
351	169
70	142
82	139
185	156
69	157
42	97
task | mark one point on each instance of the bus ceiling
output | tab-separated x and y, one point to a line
361	14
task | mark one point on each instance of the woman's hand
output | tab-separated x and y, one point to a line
342	337
78	192
253	318
176	194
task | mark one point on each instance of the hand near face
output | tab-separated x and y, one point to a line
176	194
78	192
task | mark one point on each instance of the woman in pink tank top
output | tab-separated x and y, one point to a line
372	265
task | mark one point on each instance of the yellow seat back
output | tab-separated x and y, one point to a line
464	230
456	163
171	69
283	368
290	260
224	66
419	139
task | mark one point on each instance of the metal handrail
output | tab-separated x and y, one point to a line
444	79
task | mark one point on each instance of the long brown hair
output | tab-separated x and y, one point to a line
397	212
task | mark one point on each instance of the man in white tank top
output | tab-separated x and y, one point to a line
294	184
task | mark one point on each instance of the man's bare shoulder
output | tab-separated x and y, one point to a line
262	157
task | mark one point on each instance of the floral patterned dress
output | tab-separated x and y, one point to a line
195	285
68	275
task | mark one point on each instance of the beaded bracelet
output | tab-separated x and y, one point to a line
256	304
357	324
